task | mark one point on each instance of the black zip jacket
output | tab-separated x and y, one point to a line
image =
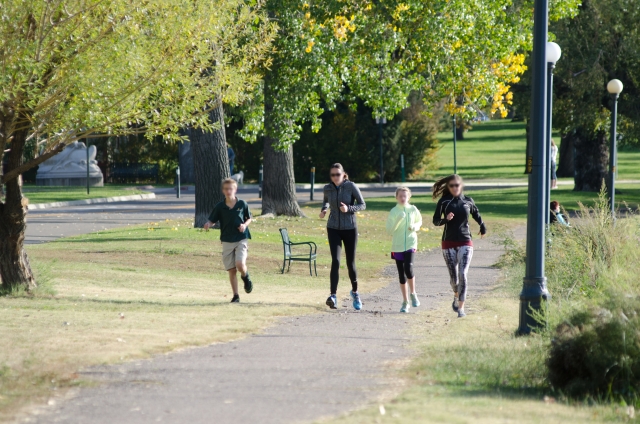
458	228
347	193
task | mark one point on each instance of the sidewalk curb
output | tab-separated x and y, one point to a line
92	201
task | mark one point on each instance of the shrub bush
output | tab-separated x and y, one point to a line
597	352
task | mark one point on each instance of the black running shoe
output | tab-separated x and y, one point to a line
332	302
248	285
236	299
454	305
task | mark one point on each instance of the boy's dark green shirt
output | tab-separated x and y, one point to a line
230	219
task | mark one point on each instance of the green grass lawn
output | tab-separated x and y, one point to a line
38	194
629	164
132	292
496	150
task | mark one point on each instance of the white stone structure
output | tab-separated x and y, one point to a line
69	168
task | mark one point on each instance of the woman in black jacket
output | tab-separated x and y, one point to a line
453	212
344	199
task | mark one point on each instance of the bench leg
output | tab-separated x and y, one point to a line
283	265
310	274
315	268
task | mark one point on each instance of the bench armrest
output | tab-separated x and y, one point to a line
313	248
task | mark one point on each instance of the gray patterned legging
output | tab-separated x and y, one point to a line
458	260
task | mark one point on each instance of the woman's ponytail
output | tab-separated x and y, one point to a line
441	187
339	166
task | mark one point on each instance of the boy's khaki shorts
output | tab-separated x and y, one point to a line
234	252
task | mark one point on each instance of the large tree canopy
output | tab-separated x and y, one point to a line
599	44
467	51
73	69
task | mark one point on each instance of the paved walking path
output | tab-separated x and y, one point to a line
299	370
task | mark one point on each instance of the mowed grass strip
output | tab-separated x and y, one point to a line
133	292
37	194
490	150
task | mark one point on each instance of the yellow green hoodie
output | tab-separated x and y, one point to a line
403	224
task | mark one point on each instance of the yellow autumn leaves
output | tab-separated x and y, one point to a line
508	71
341	26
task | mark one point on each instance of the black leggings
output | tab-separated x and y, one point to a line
350	240
405	267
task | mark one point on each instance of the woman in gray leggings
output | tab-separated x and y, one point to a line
453	212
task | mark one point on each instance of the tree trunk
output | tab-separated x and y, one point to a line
185	161
211	166
566	163
591	155
460	131
15	271
279	183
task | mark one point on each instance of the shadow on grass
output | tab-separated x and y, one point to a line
462	389
199	304
97	239
488	137
492	168
499	126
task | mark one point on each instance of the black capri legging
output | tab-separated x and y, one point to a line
405	267
350	240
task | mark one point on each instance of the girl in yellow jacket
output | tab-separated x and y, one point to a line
403	224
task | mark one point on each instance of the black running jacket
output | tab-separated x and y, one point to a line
458	228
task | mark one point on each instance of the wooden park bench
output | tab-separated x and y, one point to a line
306	257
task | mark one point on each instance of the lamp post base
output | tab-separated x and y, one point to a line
534	297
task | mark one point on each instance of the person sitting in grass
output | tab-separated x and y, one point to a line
555	214
234	217
403	223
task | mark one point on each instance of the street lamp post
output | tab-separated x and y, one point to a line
178	182
534	286
87	140
380	122
455	153
553	53
614	87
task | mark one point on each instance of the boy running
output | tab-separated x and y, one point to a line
234	217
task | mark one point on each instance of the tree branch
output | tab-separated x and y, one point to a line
37	161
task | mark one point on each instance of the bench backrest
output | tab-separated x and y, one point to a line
285	241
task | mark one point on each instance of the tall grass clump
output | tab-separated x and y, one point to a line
596	255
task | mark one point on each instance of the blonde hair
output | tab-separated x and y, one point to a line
229	181
405	189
